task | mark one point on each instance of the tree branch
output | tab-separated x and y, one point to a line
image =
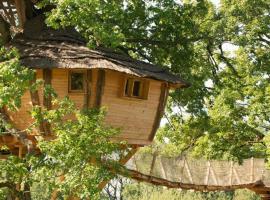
149	41
12	187
214	63
229	64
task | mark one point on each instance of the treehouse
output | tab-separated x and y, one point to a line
133	92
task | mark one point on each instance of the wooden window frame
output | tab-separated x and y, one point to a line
144	88
84	72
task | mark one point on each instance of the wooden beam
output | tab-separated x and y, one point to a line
160	110
100	87
36	102
47	100
47	77
87	95
34	94
122	161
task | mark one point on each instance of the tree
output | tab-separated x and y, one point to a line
224	114
226	108
74	163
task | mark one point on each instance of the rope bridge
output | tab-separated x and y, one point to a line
199	174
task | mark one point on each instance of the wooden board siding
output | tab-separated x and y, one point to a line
60	85
59	80
100	87
22	118
134	116
87	94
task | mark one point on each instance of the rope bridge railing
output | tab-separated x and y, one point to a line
199	174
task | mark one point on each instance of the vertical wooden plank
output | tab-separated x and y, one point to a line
20	151
47	100
34	94
100	87
47	76
87	95
36	102
160	110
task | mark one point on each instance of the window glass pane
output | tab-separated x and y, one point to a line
136	88
76	81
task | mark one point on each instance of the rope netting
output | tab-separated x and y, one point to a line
201	172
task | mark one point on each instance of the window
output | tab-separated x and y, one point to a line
136	88
76	81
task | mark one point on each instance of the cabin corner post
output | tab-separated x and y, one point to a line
100	87
160	111
43	127
88	82
35	101
47	77
47	99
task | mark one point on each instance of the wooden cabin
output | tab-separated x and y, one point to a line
133	92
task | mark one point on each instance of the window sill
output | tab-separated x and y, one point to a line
77	92
133	98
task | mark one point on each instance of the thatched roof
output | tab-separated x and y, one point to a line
41	47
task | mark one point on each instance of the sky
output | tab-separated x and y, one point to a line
216	2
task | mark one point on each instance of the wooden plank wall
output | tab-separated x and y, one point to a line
135	117
22	119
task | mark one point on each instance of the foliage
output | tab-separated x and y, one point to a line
74	162
225	114
14	79
222	51
232	120
147	192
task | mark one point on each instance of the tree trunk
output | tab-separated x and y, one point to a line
5	36
27	194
